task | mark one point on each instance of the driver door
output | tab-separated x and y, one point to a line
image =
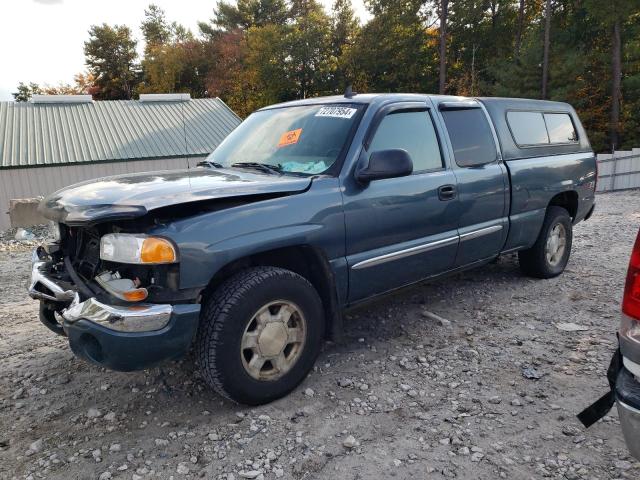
401	230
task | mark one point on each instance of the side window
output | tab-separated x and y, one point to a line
470	136
560	127
413	132
528	128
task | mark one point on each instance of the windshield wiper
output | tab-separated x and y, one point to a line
207	163
264	167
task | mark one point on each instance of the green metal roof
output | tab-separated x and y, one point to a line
42	134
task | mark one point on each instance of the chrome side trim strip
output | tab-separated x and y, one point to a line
388	257
479	233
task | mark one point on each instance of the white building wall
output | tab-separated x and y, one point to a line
40	181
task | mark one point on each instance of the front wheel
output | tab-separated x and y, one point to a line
548	257
260	333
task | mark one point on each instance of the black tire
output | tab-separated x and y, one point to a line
533	261
228	311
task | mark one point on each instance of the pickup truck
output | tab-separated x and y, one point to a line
307	208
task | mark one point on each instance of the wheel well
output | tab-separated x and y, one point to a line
567	200
304	260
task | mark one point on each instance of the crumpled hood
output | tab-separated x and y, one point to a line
133	195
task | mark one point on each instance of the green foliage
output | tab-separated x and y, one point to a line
344	32
245	14
111	58
257	52
155	28
26	91
394	51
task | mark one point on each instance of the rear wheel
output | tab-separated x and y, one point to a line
548	257
260	333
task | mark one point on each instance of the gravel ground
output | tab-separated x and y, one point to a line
405	396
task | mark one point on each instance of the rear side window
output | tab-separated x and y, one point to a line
560	127
413	132
538	128
528	128
470	136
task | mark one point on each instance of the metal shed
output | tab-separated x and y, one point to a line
53	141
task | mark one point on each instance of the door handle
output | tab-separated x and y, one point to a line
447	192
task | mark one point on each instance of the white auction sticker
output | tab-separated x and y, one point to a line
337	112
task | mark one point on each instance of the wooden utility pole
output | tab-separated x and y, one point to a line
616	77
444	11
545	58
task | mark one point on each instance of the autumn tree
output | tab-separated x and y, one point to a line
110	55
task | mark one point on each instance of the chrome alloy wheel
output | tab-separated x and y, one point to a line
273	340
556	244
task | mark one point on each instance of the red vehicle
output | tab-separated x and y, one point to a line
624	372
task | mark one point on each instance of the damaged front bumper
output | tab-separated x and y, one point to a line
118	337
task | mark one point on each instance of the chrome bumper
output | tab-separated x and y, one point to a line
134	318
630	423
42	287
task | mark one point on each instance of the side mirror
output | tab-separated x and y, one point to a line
386	164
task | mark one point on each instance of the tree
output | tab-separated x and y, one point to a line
308	44
394	52
155	28
26	91
245	14
442	50
110	55
174	61
519	29
344	30
83	84
545	55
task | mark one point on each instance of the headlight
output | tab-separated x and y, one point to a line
130	248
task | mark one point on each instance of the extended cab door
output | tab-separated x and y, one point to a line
401	230
483	185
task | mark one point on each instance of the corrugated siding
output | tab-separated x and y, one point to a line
33	134
34	182
619	171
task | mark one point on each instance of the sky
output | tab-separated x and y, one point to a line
42	41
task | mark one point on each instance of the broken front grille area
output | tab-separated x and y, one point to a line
82	246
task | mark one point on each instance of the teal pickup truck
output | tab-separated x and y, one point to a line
306	209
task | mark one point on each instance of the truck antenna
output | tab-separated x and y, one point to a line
349	93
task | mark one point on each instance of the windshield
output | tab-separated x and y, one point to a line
305	139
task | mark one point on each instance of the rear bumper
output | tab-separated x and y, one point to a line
627	392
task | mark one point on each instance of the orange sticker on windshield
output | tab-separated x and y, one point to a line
289	138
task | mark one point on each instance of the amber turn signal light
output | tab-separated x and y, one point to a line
136	295
157	250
